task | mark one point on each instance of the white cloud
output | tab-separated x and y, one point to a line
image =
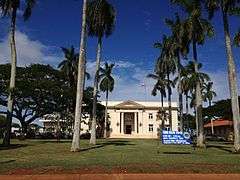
130	86
28	51
129	77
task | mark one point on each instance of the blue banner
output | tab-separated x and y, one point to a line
175	137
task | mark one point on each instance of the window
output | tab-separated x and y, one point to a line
150	127
150	116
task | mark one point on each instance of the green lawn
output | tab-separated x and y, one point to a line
132	156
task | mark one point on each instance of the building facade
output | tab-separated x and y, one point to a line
135	119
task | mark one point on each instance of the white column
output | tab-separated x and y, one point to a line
135	123
122	123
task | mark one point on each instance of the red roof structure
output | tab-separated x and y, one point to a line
219	122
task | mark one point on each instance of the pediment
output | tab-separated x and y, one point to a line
129	104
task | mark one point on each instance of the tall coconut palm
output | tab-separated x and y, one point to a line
160	85
80	81
208	92
101	22
180	48
106	85
10	8
198	29
68	64
166	65
208	95
194	79
228	7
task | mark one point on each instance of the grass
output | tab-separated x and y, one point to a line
132	156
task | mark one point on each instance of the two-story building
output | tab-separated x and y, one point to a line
138	119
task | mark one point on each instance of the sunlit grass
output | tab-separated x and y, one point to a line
129	155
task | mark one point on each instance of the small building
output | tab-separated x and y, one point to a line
52	122
221	128
138	119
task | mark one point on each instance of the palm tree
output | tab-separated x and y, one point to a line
166	65
180	47
80	81
160	85
106	85
194	79
198	29
228	7
208	95
101	22
10	8
208	92
185	85
68	65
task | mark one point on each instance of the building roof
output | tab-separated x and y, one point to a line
137	104
219	122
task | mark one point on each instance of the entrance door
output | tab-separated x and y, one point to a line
128	129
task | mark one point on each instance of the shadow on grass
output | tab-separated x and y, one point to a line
54	141
12	146
108	143
117	143
177	153
8	161
221	147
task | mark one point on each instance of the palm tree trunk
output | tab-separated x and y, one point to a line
163	113
80	83
199	120
187	110
169	102
212	127
180	96
232	79
7	134
106	116
95	91
187	103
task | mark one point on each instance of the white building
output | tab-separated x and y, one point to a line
135	119
130	119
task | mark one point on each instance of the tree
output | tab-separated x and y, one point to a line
40	90
10	8
188	83
80	81
198	29
166	65
220	109
229	7
208	92
101	22
100	111
180	48
208	95
3	123
106	85
69	65
160	85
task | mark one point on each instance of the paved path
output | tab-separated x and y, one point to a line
124	177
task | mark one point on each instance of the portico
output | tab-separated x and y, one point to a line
132	119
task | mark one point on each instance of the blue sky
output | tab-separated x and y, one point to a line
139	24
